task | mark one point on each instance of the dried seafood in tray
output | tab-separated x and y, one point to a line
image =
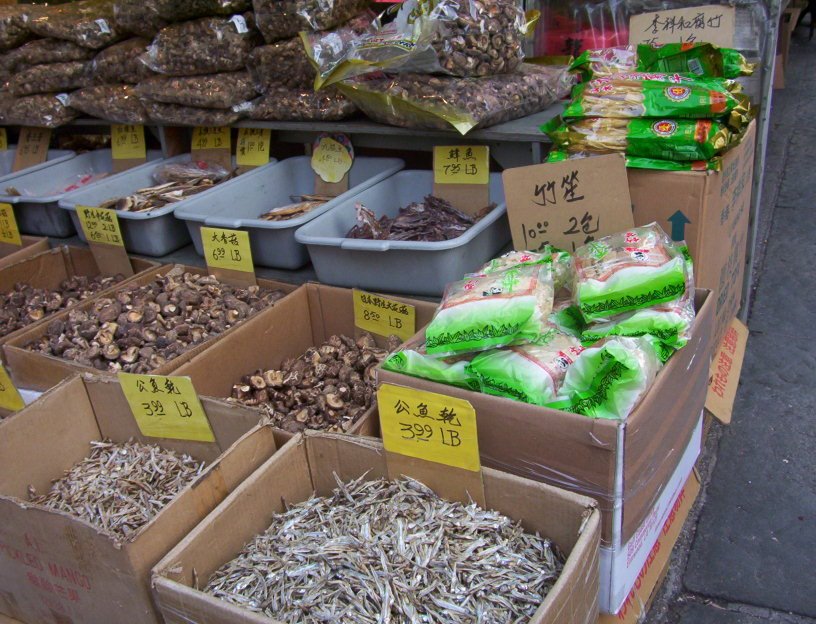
178	115
284	104
88	23
379	550
121	63
303	204
49	78
114	103
119	488
222	90
45	110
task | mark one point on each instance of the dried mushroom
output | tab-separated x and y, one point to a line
282	19
45	110
328	387
284	104
139	17
142	327
44	51
49	78
283	63
88	23
175	11
13	30
178	115
114	103
223	90
121	63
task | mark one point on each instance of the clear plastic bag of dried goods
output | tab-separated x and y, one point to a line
88	23
178	115
209	91
282	19
50	78
438	102
43	51
139	17
281	64
13	29
178	11
121	63
114	103
559	260
284	104
47	110
203	46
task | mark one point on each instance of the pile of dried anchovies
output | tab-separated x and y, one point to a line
381	551
302	205
120	487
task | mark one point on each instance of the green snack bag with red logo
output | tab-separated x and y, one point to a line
641	162
696	59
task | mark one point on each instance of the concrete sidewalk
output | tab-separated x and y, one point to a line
748	552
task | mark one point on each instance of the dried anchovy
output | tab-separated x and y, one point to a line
282	19
390	551
178	115
49	78
25	304
121	63
119	488
302	205
44	110
284	104
222	90
140	17
433	219
88	23
114	103
43	51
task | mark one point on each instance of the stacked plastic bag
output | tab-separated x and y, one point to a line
585	333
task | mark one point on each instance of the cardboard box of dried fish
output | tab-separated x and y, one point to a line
303	363
89	504
152	324
397	237
147	197
311	535
277	202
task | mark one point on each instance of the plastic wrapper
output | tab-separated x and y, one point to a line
609	379
484	312
178	11
566	317
44	51
209	91
628	271
88	23
48	110
281	64
697	59
283	19
284	104
13	28
605	62
642	162
414	360
667	139
49	78
115	103
139	17
560	263
438	102
178	115
121	63
204	46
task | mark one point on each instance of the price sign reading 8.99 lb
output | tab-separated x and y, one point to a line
383	316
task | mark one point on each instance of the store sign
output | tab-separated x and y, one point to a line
710	24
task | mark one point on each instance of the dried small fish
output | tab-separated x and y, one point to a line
302	205
119	488
379	551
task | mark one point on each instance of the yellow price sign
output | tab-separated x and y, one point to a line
9	232
3	140
166	407
383	316
253	147
100	225
227	249
332	157
211	138
128	142
10	398
461	164
429	426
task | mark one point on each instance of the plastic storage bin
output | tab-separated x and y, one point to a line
401	266
38	212
154	233
273	242
52	157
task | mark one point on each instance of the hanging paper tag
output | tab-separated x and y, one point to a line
240	24
9	233
228	255
166	407
104	237
332	158
3	140
32	148
462	176
103	26
212	145
128	146
383	316
253	147
10	398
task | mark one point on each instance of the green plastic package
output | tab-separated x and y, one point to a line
631	270
567	318
605	62
609	379
639	162
695	59
559	260
488	311
417	363
530	373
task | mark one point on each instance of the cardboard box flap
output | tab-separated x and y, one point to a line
45	270
726	368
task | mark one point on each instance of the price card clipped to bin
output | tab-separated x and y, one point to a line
9	233
10	398
711	24
462	176
212	145
567	204
382	316
128	146
332	158
3	140
253	147
166	407
32	148
424	431
228	255
101	229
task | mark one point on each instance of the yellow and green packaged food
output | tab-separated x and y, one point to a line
695	59
415	361
559	260
641	162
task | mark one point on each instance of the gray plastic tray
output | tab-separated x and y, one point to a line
273	243
401	266
53	157
40	214
154	233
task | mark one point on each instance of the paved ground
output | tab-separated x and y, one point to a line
748	552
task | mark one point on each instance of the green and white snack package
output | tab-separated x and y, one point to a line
631	270
560	261
447	370
566	316
609	379
530	373
485	312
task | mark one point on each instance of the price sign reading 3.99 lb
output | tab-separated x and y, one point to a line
383	316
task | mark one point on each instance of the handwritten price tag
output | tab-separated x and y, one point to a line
227	249
253	147
100	225
32	147
383	316
9	233
128	142
10	398
332	157
461	164
3	140
712	24
166	407
429	426
211	138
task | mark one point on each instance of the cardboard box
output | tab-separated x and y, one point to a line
710	210
623	465
55	568
726	368
32	245
37	371
779	72
307	464
305	319
49	268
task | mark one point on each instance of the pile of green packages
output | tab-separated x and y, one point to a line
585	333
674	107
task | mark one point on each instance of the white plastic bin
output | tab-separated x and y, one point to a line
52	157
422	268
